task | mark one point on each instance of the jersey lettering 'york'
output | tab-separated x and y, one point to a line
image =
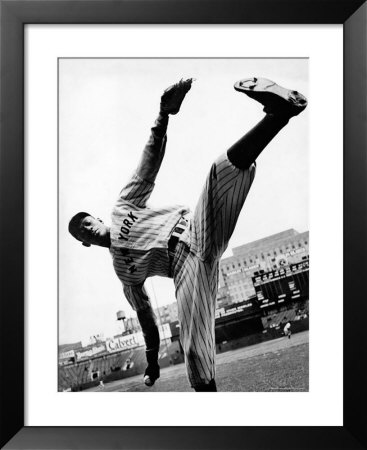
126	225
139	237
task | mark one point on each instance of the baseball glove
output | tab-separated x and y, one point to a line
173	96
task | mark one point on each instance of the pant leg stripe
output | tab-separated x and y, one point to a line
197	339
187	329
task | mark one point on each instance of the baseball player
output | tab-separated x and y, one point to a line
145	241
287	330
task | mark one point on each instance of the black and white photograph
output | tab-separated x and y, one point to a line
163	167
183	225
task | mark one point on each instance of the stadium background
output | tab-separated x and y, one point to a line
262	286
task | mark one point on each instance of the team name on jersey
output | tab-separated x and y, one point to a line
125	228
128	260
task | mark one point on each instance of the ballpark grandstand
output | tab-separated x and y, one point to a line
264	286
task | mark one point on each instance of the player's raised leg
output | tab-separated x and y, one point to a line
231	176
214	220
218	208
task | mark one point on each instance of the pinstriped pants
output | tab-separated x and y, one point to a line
195	267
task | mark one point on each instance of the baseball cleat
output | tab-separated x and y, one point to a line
276	99
151	374
147	381
210	387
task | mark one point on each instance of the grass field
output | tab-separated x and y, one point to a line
280	365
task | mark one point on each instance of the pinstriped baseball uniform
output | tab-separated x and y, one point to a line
139	248
140	237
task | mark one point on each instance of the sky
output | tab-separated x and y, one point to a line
106	109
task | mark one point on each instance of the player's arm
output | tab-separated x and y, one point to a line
154	150
141	184
140	302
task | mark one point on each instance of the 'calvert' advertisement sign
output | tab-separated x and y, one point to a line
119	343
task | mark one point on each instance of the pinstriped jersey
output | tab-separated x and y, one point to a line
139	238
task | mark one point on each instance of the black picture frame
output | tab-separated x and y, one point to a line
14	14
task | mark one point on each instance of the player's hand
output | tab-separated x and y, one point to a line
173	96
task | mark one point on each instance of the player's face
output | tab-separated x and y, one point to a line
93	231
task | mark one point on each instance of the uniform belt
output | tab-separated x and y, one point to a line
177	232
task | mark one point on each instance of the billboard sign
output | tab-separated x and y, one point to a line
90	353
118	343
66	357
234	309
